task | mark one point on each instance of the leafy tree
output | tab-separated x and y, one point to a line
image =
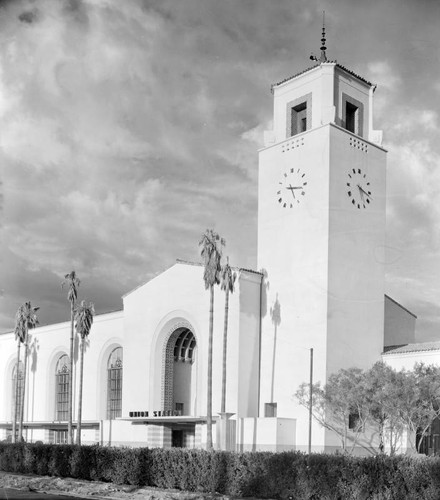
25	319
73	283
228	277
84	319
334	405
383	399
420	401
211	250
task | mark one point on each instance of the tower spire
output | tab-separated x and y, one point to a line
323	48
323	57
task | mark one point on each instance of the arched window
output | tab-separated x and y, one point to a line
184	348
17	397
114	384
62	388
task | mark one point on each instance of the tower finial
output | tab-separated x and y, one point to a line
323	57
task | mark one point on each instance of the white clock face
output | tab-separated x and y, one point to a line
359	188
291	188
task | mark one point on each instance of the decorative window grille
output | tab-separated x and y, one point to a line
184	347
62	388
17	397
114	384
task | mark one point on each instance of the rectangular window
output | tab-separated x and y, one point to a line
299	118
62	403
270	409
354	421
114	393
179	408
299	115
60	437
351	118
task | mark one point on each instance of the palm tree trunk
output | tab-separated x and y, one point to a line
78	424
23	391
209	404
225	347
17	370
70	399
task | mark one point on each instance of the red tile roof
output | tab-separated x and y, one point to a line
315	66
418	347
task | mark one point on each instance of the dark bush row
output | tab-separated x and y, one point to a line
258	474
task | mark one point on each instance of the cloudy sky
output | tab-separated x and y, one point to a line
129	127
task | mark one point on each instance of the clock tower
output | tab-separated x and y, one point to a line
321	237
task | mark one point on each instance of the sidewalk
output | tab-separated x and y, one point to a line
96	489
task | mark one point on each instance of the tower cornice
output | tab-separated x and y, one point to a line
315	66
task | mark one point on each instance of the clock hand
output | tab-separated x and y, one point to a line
363	191
291	190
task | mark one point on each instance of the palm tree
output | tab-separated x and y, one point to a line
20	339
84	319
211	252
73	282
25	318
227	284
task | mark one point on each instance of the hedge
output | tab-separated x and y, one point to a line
288	475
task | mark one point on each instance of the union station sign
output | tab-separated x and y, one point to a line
155	413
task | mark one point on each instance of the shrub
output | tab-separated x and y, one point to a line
289	475
58	463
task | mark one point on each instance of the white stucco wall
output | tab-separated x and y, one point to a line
177	297
356	243
293	249
48	343
323	256
327	83
345	83
266	434
151	314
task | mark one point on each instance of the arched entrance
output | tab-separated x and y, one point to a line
179	389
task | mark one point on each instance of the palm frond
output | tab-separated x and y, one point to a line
228	277
84	318
25	318
73	282
211	250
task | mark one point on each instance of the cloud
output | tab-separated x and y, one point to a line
381	71
29	16
130	127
